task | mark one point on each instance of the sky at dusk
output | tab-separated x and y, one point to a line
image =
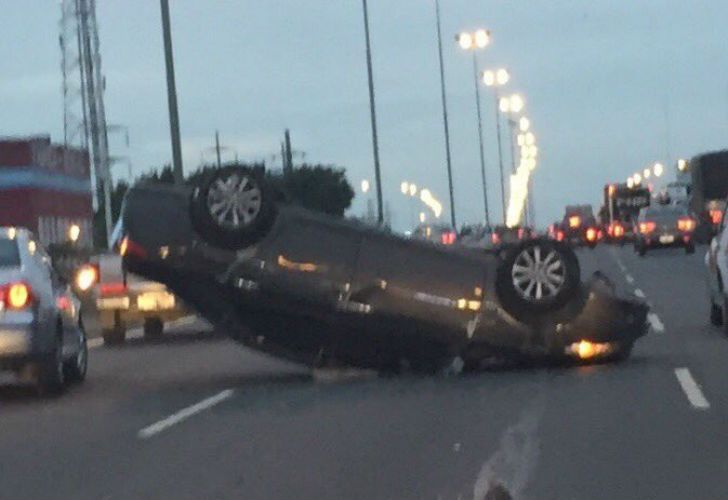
611	86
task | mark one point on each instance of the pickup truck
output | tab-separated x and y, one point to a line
123	299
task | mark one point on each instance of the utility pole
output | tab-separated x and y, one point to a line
217	148
289	153
172	95
444	116
372	109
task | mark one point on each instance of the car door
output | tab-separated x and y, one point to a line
310	264
418	288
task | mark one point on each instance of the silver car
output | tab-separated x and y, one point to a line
42	338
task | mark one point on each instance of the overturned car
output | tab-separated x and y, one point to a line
325	291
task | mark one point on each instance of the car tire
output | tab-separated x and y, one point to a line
716	314
75	369
537	277
51	373
250	212
153	328
115	335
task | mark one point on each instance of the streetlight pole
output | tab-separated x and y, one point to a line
480	139
372	109
444	116
171	95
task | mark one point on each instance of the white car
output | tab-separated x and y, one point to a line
716	260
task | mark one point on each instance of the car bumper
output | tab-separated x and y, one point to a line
666	240
599	316
17	333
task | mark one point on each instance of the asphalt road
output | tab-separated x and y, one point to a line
196	416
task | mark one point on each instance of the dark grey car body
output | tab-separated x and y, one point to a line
317	288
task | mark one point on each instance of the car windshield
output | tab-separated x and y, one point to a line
364	249
9	255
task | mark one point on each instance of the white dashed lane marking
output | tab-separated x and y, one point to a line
629	278
655	323
639	293
691	389
184	414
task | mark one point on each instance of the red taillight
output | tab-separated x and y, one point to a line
716	216
447	238
617	231
128	247
520	233
574	221
647	227
559	236
16	295
686	224
591	234
495	238
106	289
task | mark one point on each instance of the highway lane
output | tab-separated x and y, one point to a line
239	425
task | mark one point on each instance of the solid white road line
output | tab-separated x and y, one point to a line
184	414
639	293
691	389
629	278
655	323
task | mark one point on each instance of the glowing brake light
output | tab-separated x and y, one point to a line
647	227
591	234
86	277
495	238
574	221
106	289
618	230
686	224
16	296
716	216
559	235
448	238
128	247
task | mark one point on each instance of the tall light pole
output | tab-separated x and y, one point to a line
474	41
372	109
444	116
171	95
498	78
510	105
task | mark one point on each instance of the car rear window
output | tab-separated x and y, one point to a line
9	255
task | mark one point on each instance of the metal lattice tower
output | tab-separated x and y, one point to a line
84	116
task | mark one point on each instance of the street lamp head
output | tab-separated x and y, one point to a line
404	187
658	169
489	78
482	38
637	178
682	165
516	103
630	182
521	140
502	76
530	138
646	173
524	124
365	186
465	40
423	217
412	189
504	104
